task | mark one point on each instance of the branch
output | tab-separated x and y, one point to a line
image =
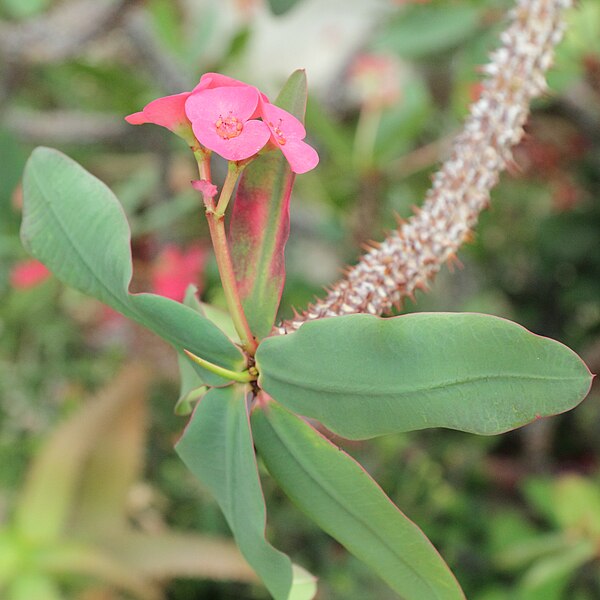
412	255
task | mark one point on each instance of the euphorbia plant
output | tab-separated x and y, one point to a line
359	375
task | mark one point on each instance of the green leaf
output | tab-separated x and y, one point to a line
279	7
335	491
217	447
75	225
76	559
54	478
549	577
423	30
260	222
363	376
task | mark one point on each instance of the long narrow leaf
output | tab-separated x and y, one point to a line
217	448
334	491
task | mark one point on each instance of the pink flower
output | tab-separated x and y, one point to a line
287	134
176	268
168	112
222	121
28	273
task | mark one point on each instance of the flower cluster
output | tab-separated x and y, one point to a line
233	119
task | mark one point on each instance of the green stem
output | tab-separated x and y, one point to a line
233	172
365	136
215	216
243	377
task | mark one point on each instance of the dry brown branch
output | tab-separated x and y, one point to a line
411	255
61	33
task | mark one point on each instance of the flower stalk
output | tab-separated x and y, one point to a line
215	215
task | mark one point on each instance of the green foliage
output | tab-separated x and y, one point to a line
333	490
217	448
362	376
424	30
280	7
71	522
74	224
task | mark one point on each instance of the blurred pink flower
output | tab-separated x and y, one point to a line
168	112
28	273
376	79
222	121
287	134
175	269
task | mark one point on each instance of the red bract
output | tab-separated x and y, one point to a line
168	112
210	81
27	274
176	268
222	121
287	134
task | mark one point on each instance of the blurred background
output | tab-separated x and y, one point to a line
94	503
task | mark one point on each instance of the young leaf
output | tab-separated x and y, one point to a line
260	222
75	225
363	376
217	448
334	491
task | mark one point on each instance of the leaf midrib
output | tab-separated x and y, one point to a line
334	498
118	302
388	391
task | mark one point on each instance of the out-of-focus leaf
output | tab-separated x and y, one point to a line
260	223
12	161
34	585
217	448
75	225
548	578
280	7
338	494
21	9
115	463
168	554
422	30
363	376
69	559
577	504
524	552
54	477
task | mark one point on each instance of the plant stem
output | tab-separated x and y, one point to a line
365	136
215	216
243	377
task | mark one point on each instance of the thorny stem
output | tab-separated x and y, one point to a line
414	253
215	216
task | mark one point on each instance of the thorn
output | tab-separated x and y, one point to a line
470	237
399	220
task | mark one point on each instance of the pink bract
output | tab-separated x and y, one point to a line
222	121
206	188
209	81
27	274
168	112
176	268
287	134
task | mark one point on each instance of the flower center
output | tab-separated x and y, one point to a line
278	133
228	127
